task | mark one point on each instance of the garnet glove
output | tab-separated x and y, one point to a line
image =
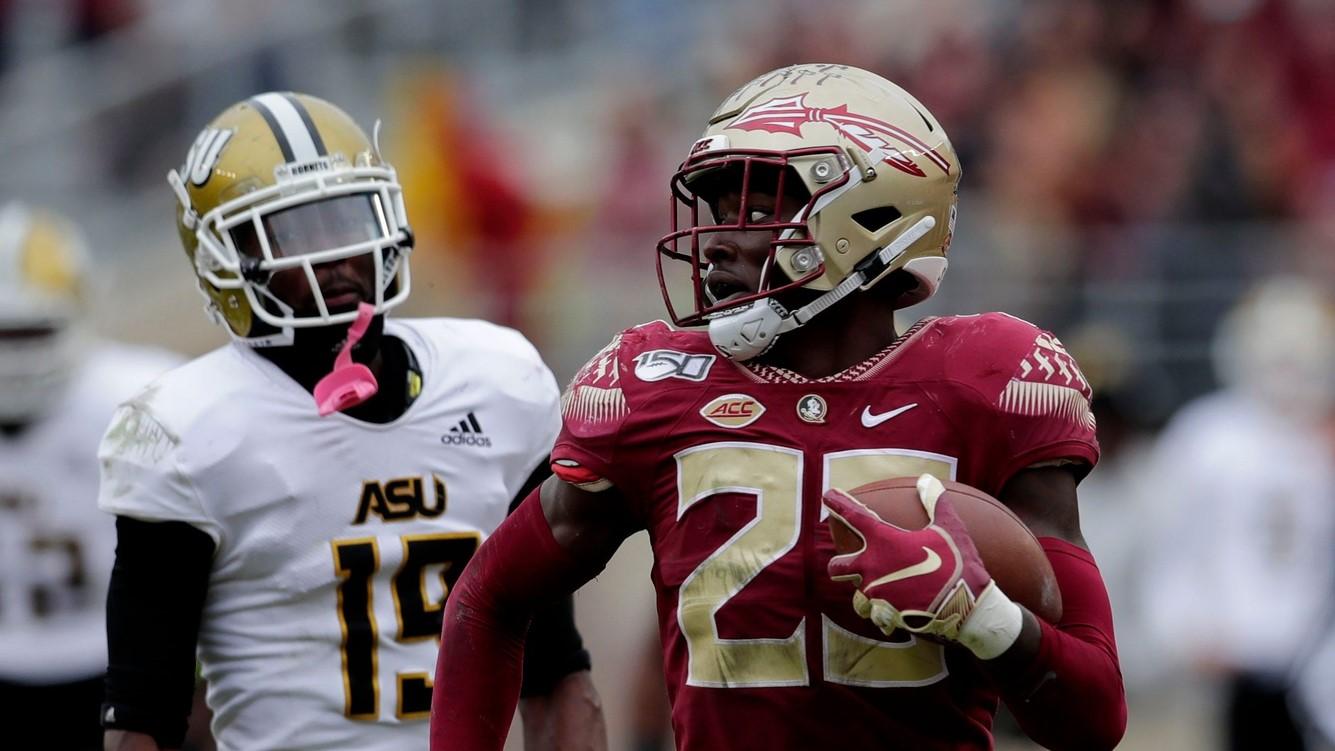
930	581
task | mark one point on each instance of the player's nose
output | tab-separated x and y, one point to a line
353	271
720	248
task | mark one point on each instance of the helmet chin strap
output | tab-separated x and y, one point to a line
748	331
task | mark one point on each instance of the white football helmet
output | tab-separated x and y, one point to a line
43	295
282	183
881	177
1278	344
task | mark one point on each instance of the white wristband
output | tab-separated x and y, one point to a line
993	625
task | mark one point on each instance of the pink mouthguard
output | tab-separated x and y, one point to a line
349	383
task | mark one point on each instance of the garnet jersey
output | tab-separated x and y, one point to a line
725	466
337	539
56	548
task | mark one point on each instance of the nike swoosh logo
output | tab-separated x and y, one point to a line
871	420
926	566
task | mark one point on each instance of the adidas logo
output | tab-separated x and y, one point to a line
467	433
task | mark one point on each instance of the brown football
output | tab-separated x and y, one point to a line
1009	550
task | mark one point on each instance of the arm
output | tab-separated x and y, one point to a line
560	707
1062	681
154	602
570	716
558	539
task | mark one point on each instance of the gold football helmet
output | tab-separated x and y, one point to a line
281	184
879	177
43	293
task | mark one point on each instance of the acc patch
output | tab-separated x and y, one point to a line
732	411
660	364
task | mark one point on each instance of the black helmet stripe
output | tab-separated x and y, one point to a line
296	136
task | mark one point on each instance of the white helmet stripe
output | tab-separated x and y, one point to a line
289	126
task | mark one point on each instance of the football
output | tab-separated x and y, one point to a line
1009	550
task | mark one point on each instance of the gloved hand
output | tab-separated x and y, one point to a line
928	581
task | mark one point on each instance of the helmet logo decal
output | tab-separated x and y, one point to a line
709	143
789	114
203	154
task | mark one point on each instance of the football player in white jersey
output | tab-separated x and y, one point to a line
58	387
297	504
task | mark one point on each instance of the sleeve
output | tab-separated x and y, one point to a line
524	389
554	647
547	432
1040	414
478	671
1071	695
143	475
593	411
153	613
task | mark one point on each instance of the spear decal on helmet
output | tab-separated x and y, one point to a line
789	114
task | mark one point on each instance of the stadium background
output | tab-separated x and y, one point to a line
1130	169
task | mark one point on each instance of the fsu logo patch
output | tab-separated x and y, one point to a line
812	408
732	411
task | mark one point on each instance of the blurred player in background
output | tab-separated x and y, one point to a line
1245	565
298	503
820	200
1315	689
59	385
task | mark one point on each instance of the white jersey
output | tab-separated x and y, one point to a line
1244	561
56	548
336	539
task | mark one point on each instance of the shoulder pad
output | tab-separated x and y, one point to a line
1019	367
594	402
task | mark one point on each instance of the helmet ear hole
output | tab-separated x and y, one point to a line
876	219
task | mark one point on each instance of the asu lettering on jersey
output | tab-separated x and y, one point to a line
402	498
337	540
727	472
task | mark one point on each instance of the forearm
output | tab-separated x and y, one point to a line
1063	682
478	670
570	717
154	600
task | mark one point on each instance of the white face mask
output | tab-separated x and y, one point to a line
34	372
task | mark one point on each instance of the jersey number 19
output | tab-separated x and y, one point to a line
357	562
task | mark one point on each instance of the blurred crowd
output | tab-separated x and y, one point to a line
1133	170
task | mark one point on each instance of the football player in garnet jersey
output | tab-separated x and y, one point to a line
820	200
297	505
